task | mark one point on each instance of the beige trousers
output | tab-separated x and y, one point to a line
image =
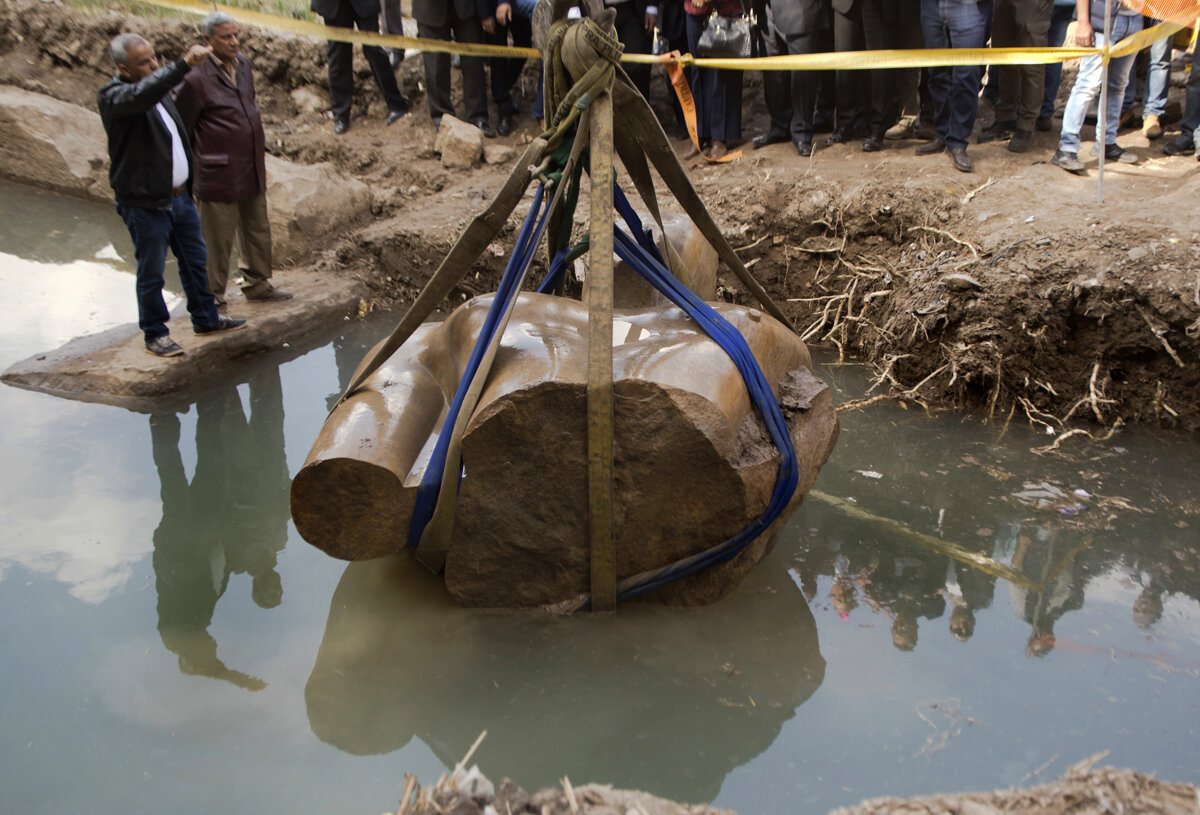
221	222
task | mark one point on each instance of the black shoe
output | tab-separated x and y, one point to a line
1068	161
962	162
873	144
931	147
222	324
164	346
839	136
504	124
1019	143
770	137
396	115
1114	152
340	126
1044	123
1181	146
267	294
486	128
997	131
803	148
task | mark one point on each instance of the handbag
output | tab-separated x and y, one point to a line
728	37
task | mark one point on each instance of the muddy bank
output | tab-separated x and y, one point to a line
1010	292
1079	790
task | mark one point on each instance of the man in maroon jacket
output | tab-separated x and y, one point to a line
216	103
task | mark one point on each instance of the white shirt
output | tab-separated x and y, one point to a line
179	165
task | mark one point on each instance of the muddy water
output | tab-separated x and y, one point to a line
169	641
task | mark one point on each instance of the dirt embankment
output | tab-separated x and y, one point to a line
1010	291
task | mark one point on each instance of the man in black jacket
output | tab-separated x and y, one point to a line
151	174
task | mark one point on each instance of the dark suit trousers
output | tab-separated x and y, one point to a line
791	96
505	72
341	69
863	97
437	70
1020	23
718	94
631	31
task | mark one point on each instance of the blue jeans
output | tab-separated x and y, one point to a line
153	231
1158	78
1087	86
1060	18
955	90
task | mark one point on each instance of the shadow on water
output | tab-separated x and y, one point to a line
652	698
231	518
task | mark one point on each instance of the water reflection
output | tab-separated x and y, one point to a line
1046	526
52	228
230	519
653	698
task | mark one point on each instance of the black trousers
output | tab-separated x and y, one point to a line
631	31
340	57
791	96
505	71
437	69
864	97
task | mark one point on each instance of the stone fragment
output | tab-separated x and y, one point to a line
1138	252
52	144
498	153
309	101
310	201
459	144
961	282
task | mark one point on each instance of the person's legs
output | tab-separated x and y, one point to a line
1191	113
1060	18
385	78
1158	78
802	88
878	34
339	58
254	243
1087	85
1005	34
187	244
1118	75
777	91
933	24
393	23
219	225
474	79
852	94
703	81
437	73
1033	28
149	229
967	24
726	117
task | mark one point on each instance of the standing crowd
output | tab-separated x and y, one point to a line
188	170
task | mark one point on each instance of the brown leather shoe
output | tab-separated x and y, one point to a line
268	294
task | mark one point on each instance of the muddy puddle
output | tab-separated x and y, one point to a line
949	611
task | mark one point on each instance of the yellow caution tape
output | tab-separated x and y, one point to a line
838	61
319	31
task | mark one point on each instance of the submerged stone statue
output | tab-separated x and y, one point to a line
693	464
